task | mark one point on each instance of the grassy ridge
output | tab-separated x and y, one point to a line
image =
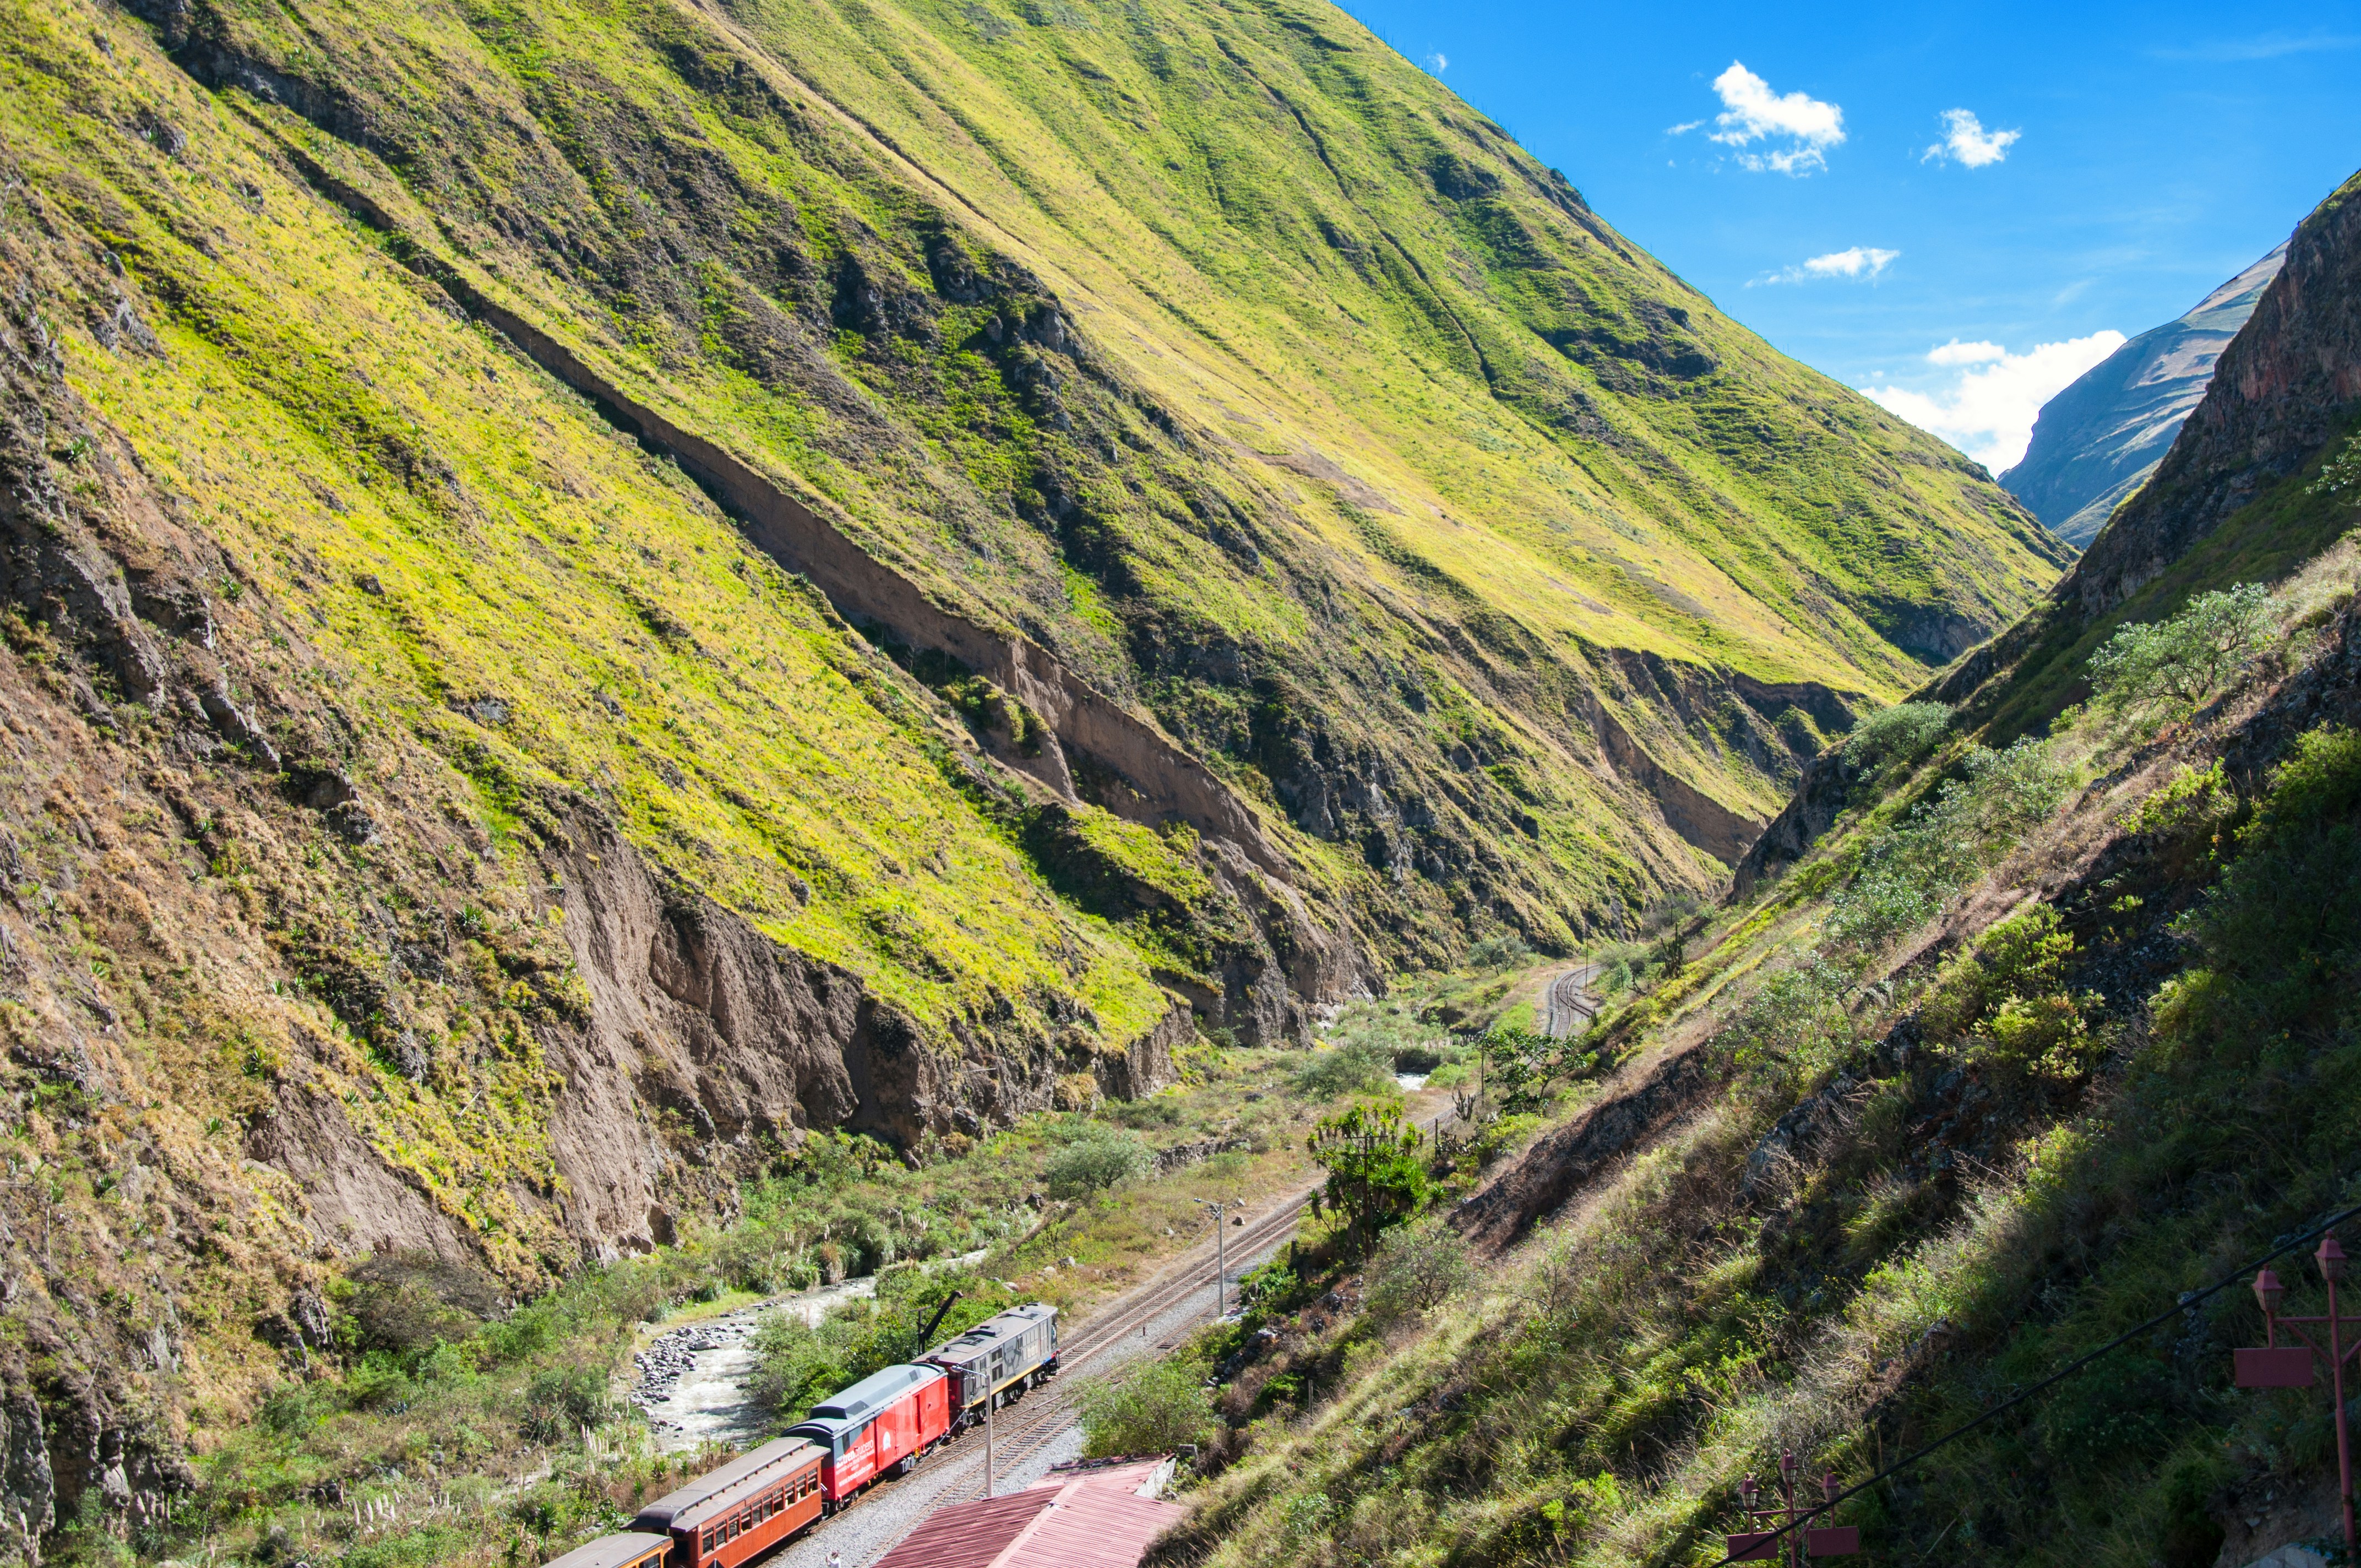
2031	1045
1364	404
494	570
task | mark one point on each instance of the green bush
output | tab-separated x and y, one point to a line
404	1302
1355	1067
2007	1000
563	1401
1522	1067
1794	1026
1892	738
1100	1159
1503	951
1156	1406
2166	670
1417	1268
1905	874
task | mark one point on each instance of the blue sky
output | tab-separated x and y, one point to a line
2121	161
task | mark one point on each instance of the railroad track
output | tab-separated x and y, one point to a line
1569	1006
1022	1429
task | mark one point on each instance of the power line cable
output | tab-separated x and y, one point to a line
2188	1300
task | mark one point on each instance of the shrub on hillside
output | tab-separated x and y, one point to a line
1101	1158
1795	1024
1155	1407
1892	738
2166	670
1523	1068
1905	873
405	1302
1504	951
1357	1066
563	1401
1417	1268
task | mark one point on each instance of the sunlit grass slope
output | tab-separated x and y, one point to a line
1301	235
505	578
1223	353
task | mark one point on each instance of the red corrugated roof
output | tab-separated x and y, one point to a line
1094	1520
969	1535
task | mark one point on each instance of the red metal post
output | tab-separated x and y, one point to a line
2270	1366
2331	1258
1796	1545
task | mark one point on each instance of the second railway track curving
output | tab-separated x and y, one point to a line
1568	1006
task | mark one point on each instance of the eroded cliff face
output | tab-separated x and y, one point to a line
278	989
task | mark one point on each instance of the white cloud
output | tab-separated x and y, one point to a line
1751	111
1987	409
1858	262
1966	141
1438	62
1957	353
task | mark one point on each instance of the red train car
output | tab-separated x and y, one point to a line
881	1425
743	1509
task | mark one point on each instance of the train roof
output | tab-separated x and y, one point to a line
658	1515
965	1347
877	1389
613	1552
732	1497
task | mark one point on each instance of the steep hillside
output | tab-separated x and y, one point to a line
2040	1044
599	587
2280	399
2097	441
1451	475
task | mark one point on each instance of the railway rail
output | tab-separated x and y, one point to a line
1025	1427
1568	1006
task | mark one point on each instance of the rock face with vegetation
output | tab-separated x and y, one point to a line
591	590
2045	1035
2096	443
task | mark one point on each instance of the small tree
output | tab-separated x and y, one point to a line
1155	1407
1520	1066
2170	668
1375	1176
1894	738
1099	1159
1418	1267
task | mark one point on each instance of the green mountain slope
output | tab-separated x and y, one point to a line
1357	442
2044	1041
589	589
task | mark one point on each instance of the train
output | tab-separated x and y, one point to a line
881	1426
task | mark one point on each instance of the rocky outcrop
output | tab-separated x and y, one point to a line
2096	443
2280	391
1820	796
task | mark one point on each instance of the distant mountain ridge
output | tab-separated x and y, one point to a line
2097	441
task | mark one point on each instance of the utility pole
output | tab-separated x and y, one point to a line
989	1402
1221	1251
